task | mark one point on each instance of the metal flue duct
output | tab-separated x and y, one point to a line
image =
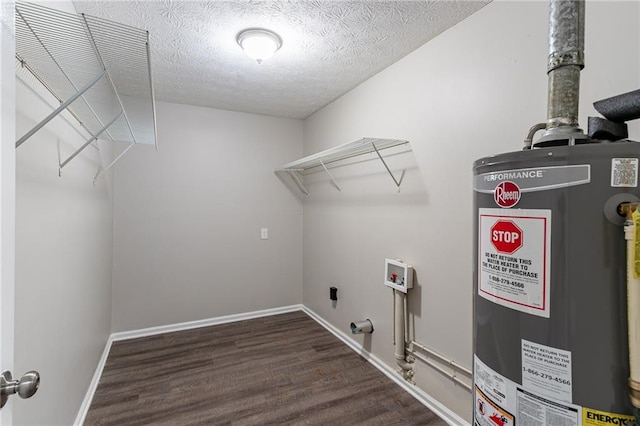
566	60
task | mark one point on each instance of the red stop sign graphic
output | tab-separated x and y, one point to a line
506	237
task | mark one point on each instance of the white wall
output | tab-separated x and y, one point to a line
188	217
63	264
473	91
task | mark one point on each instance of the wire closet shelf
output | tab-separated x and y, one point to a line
98	70
297	169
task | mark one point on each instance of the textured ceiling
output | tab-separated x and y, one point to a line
329	47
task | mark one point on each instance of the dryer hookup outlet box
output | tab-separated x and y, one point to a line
333	293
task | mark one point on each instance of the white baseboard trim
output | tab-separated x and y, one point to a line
86	403
134	334
423	397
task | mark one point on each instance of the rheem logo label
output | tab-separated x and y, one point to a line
506	194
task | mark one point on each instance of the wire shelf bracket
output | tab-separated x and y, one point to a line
297	169
297	180
99	71
58	110
88	142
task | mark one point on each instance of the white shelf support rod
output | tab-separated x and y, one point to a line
297	181
35	75
385	166
112	163
113	86
153	95
58	110
330	177
86	144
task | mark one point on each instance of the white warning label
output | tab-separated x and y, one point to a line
499	401
491	397
514	253
624	172
489	382
489	413
546	370
534	410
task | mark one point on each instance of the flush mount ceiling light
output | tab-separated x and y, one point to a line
258	43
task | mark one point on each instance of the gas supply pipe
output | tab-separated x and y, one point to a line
632	236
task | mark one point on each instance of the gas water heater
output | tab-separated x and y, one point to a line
554	334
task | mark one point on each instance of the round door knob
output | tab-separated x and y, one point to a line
28	384
25	387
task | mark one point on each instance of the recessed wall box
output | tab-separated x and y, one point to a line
333	293
398	275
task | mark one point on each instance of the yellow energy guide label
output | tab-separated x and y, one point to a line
591	417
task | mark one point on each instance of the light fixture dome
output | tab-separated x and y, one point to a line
258	43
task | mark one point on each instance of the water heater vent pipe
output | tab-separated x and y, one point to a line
566	60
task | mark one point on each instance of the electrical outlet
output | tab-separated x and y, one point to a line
264	233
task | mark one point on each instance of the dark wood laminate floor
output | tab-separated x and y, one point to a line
283	369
